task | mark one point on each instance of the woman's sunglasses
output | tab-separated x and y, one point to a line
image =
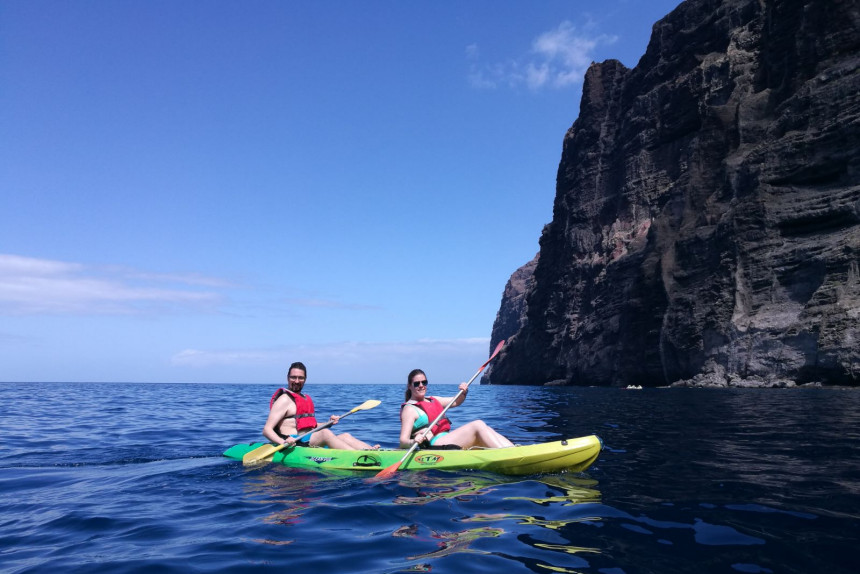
419	383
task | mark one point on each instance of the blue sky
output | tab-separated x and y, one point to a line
208	191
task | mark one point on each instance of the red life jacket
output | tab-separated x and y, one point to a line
432	407
305	418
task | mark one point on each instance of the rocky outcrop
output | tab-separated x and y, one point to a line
707	213
512	314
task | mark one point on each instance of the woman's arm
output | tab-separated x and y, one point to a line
445	401
465	388
407	421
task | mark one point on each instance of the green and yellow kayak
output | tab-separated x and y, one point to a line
573	454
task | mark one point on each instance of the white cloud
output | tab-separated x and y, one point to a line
328	304
341	352
198	358
30	286
558	58
355	362
182	278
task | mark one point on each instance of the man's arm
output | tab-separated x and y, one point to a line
277	413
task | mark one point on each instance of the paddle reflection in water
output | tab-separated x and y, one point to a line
494	538
293	493
577	490
433	516
459	542
429	487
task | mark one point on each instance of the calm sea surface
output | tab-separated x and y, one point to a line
130	478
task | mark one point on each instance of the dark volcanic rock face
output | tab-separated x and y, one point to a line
707	212
512	314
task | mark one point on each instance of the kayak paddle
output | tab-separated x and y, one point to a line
389	471
268	450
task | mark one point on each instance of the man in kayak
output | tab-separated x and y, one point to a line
420	410
291	413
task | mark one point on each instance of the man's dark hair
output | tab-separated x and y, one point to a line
298	365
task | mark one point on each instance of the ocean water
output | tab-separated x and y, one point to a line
131	478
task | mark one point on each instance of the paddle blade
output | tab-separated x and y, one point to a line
259	453
367	405
386	472
389	471
496	352
498	348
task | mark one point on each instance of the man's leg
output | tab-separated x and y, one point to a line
344	441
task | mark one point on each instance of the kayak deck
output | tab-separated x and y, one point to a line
574	454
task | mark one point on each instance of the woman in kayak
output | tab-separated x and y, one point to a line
420	410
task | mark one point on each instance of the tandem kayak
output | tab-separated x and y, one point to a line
573	454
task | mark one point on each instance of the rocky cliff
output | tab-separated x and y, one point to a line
706	224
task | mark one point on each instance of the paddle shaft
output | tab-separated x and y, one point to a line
266	451
315	429
392	469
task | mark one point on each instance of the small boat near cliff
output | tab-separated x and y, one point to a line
573	455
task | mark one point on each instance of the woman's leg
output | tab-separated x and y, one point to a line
476	433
